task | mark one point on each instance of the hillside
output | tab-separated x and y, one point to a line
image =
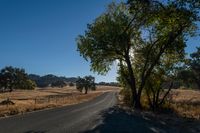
49	80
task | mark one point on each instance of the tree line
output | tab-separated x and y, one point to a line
16	78
189	73
147	39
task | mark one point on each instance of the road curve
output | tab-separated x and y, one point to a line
72	119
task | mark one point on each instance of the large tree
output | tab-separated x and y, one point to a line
15	78
137	36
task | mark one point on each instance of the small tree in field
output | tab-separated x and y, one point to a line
87	83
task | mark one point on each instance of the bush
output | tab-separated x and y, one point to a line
126	94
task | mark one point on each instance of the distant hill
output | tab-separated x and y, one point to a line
55	81
51	80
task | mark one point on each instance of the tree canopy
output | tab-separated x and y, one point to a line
15	78
139	36
87	83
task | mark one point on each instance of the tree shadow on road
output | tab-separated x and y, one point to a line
117	120
31	131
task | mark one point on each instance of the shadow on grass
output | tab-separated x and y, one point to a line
117	120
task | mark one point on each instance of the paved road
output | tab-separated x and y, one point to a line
69	119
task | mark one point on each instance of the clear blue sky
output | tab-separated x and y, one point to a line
39	35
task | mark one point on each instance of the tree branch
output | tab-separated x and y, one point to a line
171	85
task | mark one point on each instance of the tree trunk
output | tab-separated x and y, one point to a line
137	103
166	94
135	97
86	90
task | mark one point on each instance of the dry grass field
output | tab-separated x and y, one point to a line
30	100
186	103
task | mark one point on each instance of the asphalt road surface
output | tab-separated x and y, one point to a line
68	119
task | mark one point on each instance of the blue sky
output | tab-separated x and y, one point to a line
39	35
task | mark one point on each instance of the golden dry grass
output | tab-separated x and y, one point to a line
186	103
30	100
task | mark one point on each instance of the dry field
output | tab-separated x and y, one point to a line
30	100
183	103
186	103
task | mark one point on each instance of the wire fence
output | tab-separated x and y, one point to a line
43	99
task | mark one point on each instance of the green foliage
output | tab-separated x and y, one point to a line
87	83
157	88
190	73
185	76
126	95
142	37
122	76
103	41
27	84
15	78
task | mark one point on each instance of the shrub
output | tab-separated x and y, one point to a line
126	94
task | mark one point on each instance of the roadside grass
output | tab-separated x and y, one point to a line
180	113
182	103
21	107
38	99
186	103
